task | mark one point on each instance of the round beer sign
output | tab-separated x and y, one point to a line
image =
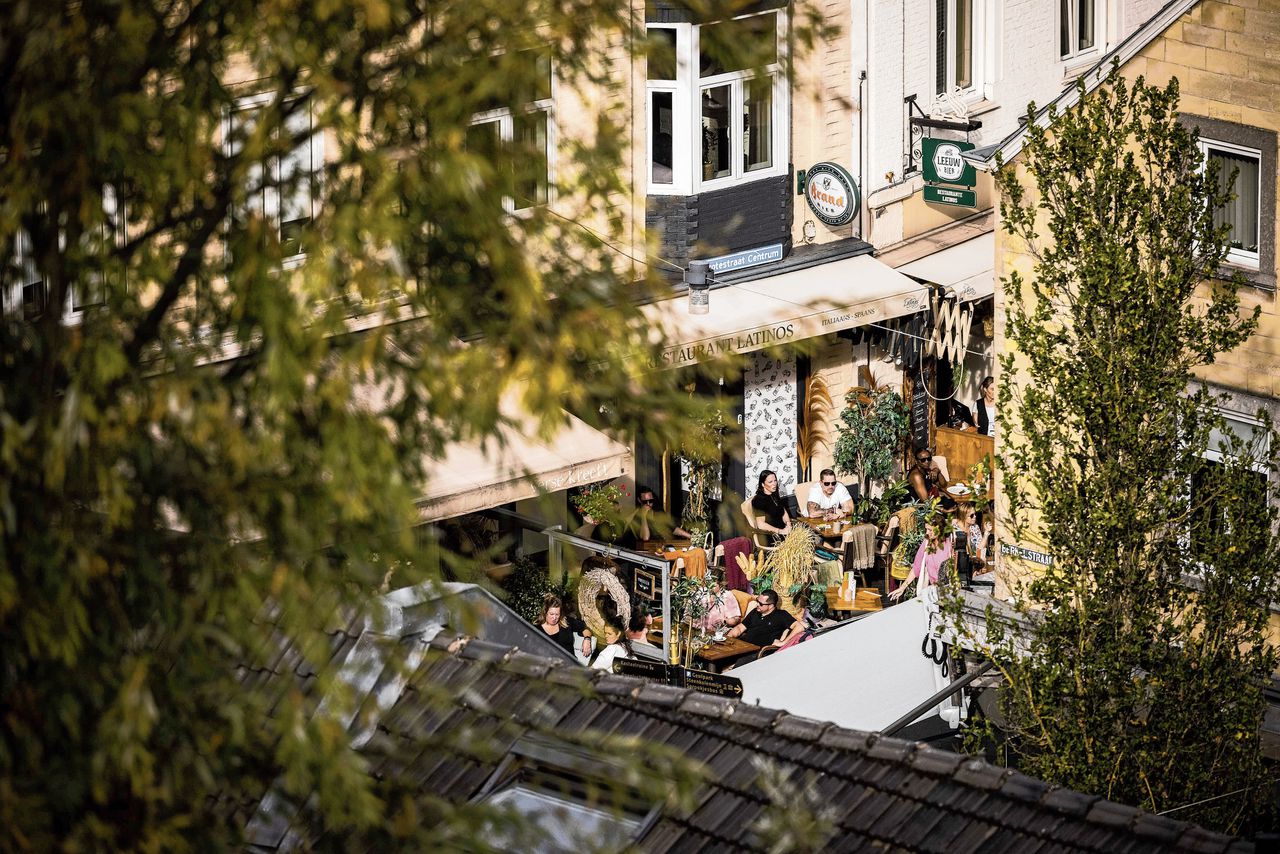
947	162
832	193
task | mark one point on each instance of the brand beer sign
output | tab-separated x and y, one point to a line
831	193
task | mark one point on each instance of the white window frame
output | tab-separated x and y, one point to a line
681	155
268	202
980	49
12	299
687	115
1239	257
1215	455
504	117
1076	55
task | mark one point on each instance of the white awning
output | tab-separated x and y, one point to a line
471	477
967	267
839	676
790	306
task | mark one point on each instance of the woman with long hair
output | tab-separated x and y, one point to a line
616	645
771	514
560	626
934	551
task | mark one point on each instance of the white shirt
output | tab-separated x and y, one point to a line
836	500
604	661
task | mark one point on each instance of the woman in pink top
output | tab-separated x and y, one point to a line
722	609
934	551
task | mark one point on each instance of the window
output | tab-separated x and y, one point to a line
28	295
1244	212
1207	484
954	52
284	189
514	127
713	114
1077	27
569	794
26	292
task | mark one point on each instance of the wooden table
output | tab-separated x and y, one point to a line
832	529
725	651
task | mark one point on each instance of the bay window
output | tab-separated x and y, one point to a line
716	96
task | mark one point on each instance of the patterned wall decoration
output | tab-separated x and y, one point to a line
770	419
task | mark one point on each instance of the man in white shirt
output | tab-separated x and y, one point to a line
831	499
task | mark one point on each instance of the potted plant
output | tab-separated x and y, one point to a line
872	427
690	602
599	504
701	453
812	433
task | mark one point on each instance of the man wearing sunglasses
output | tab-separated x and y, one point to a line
650	521
831	500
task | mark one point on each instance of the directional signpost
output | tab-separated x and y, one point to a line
713	683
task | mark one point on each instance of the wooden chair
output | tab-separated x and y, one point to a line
758	537
802	495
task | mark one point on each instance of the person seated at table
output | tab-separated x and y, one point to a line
925	478
722	608
935	550
653	524
831	500
638	633
616	645
972	531
771	514
560	627
766	624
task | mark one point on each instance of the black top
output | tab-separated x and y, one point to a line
762	630
984	419
564	635
770	507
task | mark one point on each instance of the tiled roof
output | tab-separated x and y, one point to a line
886	793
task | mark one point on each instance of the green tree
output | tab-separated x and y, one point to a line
1139	670
280	348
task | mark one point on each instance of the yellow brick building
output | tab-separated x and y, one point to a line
1226	58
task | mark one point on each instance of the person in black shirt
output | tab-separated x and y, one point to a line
766	623
771	514
560	626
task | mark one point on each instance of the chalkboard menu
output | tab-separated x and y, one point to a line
919	415
645	583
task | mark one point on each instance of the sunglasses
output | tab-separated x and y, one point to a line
828	483
647	500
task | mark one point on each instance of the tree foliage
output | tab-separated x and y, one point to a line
250	412
1139	674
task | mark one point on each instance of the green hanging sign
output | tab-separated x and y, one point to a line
943	163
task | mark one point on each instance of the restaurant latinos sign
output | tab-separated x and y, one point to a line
831	193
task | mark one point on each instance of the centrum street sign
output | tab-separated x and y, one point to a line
943	163
948	196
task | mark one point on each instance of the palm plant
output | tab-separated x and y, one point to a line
814	415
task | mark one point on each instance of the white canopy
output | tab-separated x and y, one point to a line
969	267
790	306
862	675
472	477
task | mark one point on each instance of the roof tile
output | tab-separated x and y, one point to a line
696	703
760	717
1161	829
927	760
839	738
1201	840
1068	801
1111	814
1023	788
657	694
610	685
980	775
801	729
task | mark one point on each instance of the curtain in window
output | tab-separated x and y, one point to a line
1242	212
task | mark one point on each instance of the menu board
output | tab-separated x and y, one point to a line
919	415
